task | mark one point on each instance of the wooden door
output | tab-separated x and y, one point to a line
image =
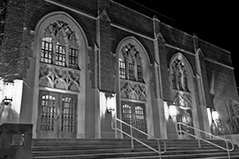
68	116
134	114
48	115
56	115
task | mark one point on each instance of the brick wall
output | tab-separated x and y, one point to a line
23	16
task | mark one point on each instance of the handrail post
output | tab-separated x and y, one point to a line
228	152
116	136
198	136
180	130
131	136
199	143
160	156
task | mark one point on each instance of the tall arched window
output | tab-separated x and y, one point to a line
59	45
61	54
134	82
179	80
182	90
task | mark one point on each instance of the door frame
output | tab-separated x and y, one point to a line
134	104
57	133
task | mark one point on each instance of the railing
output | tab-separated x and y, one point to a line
179	129
114	122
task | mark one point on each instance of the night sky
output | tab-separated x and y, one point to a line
216	23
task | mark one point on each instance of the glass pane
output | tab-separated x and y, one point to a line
68	114
60	55
131	71
73	58
122	71
46	50
140	73
48	113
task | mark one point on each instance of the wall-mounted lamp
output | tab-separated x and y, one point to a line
215	122
215	115
107	103
110	110
173	111
11	93
7	101
8	88
110	102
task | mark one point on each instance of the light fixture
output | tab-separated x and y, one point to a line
7	101
215	115
8	87
110	102
173	111
107	103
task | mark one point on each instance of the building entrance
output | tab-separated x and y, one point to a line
56	115
134	114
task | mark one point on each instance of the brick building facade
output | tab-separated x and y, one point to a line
84	62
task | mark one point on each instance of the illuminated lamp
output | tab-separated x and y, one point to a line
8	92
215	115
173	111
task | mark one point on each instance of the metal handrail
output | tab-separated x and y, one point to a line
180	124
133	138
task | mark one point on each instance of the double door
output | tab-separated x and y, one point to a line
56	115
134	114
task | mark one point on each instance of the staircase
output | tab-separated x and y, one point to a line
121	149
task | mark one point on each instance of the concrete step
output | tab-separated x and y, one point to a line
121	148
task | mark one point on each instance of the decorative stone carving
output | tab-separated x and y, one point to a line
179	75
104	16
133	90
59	77
183	99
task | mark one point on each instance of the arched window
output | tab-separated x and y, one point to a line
59	45
179	80
130	65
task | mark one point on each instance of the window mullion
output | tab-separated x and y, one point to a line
54	51
67	54
127	69
135	69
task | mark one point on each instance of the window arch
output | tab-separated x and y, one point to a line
59	45
133	66
61	52
130	65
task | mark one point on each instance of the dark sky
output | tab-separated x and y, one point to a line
215	23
